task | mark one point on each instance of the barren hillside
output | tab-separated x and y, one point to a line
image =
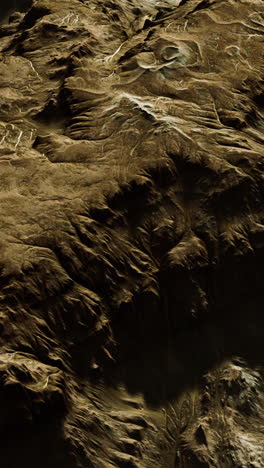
132	234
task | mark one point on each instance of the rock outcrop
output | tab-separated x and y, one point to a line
132	233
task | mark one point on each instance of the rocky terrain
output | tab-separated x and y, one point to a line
132	234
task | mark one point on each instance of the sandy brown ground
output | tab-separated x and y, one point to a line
131	248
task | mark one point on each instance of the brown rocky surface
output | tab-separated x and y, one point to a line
132	233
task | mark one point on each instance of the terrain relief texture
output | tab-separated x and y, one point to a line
132	234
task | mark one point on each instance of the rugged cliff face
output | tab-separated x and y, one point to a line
131	266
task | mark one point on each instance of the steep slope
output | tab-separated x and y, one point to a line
131	267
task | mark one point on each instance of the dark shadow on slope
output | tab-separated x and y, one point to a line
9	6
41	445
161	353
